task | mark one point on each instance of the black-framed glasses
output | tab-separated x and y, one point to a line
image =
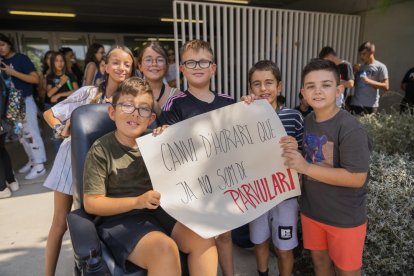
191	64
148	61
128	108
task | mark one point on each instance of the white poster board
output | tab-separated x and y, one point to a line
222	169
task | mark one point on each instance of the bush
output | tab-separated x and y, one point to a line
389	245
391	133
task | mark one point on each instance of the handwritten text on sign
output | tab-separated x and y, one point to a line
222	169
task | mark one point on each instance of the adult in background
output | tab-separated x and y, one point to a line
407	85
18	70
372	76
8	183
345	71
71	64
172	69
94	56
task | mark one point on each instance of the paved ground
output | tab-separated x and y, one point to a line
24	225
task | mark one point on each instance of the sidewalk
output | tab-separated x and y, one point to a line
25	220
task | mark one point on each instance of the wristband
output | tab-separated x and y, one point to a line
57	130
58	86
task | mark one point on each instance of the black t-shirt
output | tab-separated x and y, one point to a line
184	105
346	74
409	81
53	80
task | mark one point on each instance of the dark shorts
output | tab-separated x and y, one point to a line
121	233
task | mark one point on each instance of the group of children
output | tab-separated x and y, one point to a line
330	149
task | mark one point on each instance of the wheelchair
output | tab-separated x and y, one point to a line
91	256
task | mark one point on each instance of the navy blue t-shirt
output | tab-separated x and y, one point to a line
184	105
22	64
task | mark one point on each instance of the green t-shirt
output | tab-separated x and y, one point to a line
115	170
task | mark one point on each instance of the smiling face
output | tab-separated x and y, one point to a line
198	77
320	90
264	85
153	65
118	66
131	126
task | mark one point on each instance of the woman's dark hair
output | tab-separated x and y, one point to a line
90	54
45	66
6	39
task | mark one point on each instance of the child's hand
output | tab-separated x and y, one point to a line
66	130
149	200
249	98
63	79
159	130
288	142
294	160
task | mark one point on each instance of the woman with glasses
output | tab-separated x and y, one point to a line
94	55
152	62
119	66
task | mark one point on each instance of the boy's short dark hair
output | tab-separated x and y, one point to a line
133	86
321	64
7	40
367	45
300	96
196	45
326	51
265	65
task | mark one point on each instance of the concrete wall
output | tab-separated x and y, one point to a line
392	31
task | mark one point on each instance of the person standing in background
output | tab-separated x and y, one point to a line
71	64
18	70
95	54
407	85
8	183
372	76
172	69
345	70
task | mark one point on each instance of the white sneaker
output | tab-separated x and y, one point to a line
35	172
26	168
5	193
14	186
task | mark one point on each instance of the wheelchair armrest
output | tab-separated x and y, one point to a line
82	234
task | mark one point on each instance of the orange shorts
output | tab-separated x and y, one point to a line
344	245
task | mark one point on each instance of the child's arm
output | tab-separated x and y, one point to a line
331	176
102	205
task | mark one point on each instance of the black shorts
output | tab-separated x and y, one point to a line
121	233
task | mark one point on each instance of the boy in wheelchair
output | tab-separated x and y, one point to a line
118	189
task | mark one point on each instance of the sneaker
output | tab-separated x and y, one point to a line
35	172
26	168
14	186
5	193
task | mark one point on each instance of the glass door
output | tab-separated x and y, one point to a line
35	45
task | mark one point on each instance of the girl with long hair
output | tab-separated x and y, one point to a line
119	66
94	55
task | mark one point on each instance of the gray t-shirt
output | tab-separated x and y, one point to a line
365	94
340	142
115	170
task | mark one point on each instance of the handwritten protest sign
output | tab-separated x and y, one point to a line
222	169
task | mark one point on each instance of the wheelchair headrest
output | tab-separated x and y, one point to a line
88	123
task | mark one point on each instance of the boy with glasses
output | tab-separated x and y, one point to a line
118	189
198	67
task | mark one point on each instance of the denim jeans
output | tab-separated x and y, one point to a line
31	140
